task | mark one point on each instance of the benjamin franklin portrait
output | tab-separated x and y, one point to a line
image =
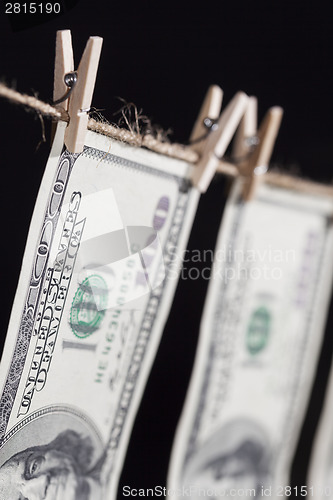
62	469
235	457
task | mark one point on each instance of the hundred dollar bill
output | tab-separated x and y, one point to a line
260	335
320	475
93	296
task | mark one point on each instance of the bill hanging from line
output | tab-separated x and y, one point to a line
260	335
97	282
320	474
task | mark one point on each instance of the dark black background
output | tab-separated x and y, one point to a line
163	56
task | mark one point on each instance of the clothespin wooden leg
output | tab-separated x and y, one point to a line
246	133
80	99
209	112
64	63
218	141
259	160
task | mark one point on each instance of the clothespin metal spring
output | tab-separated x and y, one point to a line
70	80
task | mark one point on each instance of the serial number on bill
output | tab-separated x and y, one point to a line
32	8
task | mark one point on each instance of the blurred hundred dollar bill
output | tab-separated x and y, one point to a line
320	475
96	285
260	336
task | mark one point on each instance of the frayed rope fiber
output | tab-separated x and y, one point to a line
148	141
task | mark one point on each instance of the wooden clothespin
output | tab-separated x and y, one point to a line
78	98
207	117
214	145
64	64
252	150
245	137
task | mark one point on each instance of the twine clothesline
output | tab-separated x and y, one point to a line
32	102
148	141
174	150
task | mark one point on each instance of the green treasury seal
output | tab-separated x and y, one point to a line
88	306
